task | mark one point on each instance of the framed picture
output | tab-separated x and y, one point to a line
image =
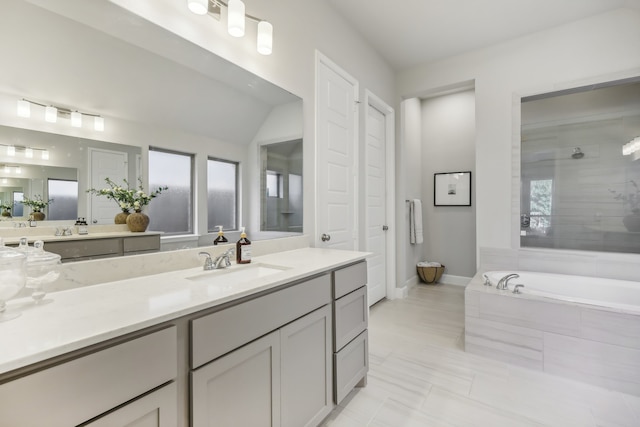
452	189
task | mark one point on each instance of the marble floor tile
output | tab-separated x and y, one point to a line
420	376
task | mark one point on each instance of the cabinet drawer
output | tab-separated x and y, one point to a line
86	248
350	317
158	409
142	243
78	390
349	279
351	365
220	332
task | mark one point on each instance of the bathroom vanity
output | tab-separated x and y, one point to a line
277	342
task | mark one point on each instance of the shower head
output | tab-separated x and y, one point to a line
577	153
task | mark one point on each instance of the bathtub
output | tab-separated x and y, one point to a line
618	295
583	328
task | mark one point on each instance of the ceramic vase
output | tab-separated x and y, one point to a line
138	221
121	218
37	216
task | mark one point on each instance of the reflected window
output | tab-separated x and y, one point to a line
222	194
274	184
171	212
18	207
65	199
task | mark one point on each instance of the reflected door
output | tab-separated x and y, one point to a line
106	164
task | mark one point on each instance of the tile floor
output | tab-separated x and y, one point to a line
420	376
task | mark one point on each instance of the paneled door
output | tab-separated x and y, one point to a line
336	137
376	213
106	164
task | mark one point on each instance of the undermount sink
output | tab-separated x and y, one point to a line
237	274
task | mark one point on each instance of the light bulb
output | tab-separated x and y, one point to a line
45	155
24	108
28	153
76	119
199	7
11	151
51	114
235	17
98	123
7	169
18	170
265	38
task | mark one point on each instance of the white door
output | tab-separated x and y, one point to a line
336	157
106	164
376	212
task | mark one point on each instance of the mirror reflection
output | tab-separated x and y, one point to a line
579	178
156	92
281	184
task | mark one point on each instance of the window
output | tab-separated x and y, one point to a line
65	199
171	212
541	192
18	207
222	194
274	184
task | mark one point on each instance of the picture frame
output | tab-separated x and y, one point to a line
452	189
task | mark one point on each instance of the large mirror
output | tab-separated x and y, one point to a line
580	169
154	90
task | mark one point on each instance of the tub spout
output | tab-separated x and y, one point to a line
503	284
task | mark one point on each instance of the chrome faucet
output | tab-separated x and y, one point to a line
504	282
487	282
225	257
516	288
208	262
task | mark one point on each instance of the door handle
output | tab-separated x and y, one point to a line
95	221
325	237
385	227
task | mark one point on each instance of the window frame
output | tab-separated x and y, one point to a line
237	192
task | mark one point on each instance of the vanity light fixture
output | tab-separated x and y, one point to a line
51	113
76	119
16	169
631	147
13	150
236	18
24	108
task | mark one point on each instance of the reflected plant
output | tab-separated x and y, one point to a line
126	197
632	198
37	204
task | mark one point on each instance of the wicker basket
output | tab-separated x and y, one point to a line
430	274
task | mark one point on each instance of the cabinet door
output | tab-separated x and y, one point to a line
156	409
241	388
306	369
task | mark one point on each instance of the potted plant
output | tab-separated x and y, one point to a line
129	199
632	200
37	205
6	209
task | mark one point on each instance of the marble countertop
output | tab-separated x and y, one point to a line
10	240
73	319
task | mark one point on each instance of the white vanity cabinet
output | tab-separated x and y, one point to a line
265	361
77	389
350	338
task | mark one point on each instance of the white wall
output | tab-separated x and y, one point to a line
600	48
448	145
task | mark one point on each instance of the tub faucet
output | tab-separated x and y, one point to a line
504	282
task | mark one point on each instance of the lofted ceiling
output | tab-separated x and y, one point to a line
411	32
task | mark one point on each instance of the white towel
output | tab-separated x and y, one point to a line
415	222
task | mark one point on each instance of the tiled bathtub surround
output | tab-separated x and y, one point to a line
580	341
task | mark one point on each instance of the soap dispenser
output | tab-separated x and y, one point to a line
220	238
243	249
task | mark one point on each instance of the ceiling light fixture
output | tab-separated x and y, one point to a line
236	18
631	147
51	113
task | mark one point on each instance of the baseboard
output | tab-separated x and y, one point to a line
403	292
455	280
